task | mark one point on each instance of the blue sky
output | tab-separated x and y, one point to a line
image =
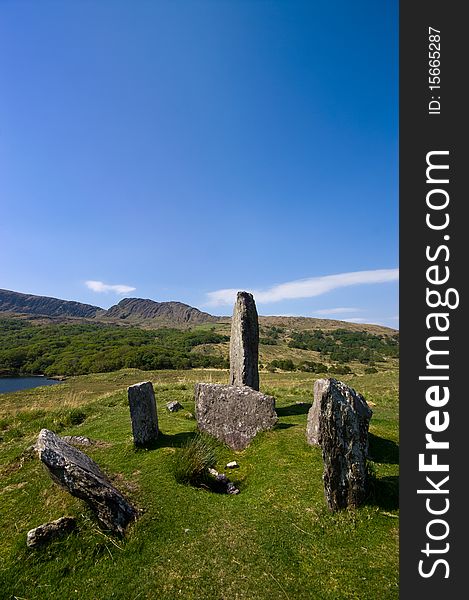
181	150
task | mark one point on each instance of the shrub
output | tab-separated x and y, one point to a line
310	366
283	364
194	459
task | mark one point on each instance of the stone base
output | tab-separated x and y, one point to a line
233	414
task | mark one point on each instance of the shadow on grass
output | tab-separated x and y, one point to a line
285	425
383	492
383	450
165	440
293	409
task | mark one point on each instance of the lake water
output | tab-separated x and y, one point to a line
13	384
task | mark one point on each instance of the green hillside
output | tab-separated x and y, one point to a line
276	540
82	348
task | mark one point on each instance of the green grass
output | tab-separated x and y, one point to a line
275	540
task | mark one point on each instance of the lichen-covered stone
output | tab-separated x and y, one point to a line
312	423
233	414
244	342
77	473
343	436
143	414
45	533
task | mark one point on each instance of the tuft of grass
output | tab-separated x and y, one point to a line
77	416
194	459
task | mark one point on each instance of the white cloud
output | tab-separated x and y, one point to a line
356	320
306	288
100	287
336	311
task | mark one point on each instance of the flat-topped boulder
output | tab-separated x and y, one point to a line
233	414
244	342
344	417
77	473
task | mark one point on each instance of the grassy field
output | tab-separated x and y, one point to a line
275	540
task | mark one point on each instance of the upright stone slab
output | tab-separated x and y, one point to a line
73	470
143	413
343	436
233	414
244	342
312	424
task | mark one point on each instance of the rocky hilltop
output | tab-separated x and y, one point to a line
138	309
129	310
28	304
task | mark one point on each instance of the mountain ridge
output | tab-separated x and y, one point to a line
147	313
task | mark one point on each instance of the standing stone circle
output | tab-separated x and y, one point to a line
143	413
233	414
244	342
344	417
76	472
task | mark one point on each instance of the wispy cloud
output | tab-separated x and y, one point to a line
336	311
357	320
360	320
306	288
100	287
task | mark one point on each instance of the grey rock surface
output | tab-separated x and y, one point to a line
244	342
174	406
77	473
78	440
312	423
226	486
45	533
343	436
233	414
143	414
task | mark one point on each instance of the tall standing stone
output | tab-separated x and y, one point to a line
244	342
344	418
143	413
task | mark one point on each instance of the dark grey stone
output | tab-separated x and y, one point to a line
224	485
244	342
143	413
76	472
233	414
343	436
174	406
45	533
231	488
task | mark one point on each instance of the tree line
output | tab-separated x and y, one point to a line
342	345
78	349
